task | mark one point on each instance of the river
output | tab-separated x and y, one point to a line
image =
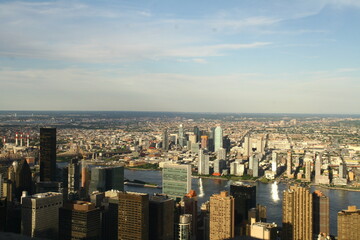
269	195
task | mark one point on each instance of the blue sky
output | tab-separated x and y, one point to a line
197	56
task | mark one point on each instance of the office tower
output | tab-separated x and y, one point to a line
110	218
192	139
218	138
40	215
203	166
165	140
133	216
251	161
288	164
161	213
245	199
21	177
247	146
221	216
274	162
197	133
342	170
219	166
190	207
47	154
221	154
97	198
320	213
308	171
176	179
8	190
255	168
204	142
264	231
204	221
257	214
106	178
73	179
114	178
185	227
79	220
349	223
317	169
297	214
3	213
181	136
97	182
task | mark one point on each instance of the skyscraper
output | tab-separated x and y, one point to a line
218	138
23	180
221	216
73	178
256	166
204	141
47	154
181	136
245	199
190	207
133	216
197	133
288	164
349	223
107	178
320	214
297	214
165	140
176	179
40	215
203	165
79	220
185	227
161	213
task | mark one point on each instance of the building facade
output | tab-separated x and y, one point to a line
349	223
176	179
47	154
222	222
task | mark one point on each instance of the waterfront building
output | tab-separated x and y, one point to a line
165	140
133	216
222	216
203	165
181	136
297	214
321	215
161	213
176	179
40	215
79	220
218	138
349	223
47	154
245	199
185	227
255	168
106	178
219	166
221	154
274	162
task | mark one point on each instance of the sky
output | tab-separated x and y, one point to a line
244	56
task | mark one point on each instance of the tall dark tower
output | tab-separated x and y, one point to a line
47	154
245	199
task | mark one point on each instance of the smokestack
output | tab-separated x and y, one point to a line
21	139
16	139
28	140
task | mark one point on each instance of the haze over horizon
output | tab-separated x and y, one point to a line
204	56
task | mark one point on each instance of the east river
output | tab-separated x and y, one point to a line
269	195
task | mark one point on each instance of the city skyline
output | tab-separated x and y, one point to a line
248	56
